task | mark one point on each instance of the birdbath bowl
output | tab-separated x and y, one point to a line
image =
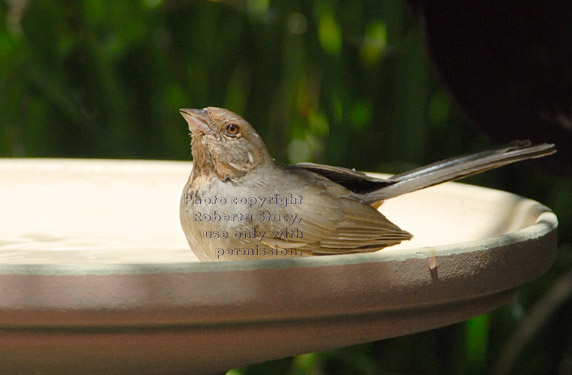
96	276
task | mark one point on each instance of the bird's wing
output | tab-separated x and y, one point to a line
329	220
357	182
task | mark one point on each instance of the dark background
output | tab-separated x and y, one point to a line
344	83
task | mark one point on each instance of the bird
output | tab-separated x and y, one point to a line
239	203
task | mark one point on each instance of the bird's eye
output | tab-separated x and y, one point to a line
233	130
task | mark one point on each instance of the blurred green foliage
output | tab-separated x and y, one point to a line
345	83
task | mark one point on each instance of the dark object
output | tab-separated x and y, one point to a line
509	66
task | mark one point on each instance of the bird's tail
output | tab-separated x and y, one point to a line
458	167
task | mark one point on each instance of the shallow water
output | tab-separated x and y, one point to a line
109	211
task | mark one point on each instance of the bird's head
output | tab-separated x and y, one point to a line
224	143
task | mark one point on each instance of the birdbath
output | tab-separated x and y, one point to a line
96	275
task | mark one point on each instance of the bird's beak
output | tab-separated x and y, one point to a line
198	120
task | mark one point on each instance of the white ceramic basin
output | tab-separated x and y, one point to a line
96	275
